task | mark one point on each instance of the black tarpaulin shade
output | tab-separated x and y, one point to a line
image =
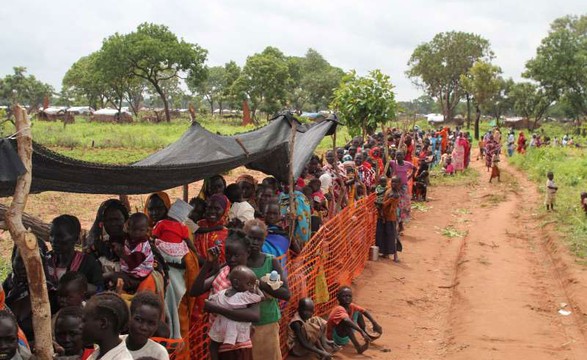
198	154
11	167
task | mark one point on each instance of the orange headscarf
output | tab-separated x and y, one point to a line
161	195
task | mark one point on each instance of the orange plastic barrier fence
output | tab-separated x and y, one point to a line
334	256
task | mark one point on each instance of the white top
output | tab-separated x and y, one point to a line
151	349
120	352
242	211
549	184
325	182
228	331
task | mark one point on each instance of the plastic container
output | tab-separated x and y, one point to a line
374	254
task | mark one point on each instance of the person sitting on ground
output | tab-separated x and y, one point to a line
243	291
240	210
146	310
65	233
68	329
306	333
346	318
448	168
136	256
72	290
105	316
10	348
551	190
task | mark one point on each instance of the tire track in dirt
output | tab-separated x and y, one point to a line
493	293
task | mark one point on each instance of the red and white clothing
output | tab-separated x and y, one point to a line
143	260
170	235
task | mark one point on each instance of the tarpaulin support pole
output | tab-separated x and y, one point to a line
186	192
27	243
292	202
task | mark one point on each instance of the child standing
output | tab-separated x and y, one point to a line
145	313
105	316
551	190
386	231
242	293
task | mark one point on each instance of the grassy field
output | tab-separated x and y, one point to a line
570	175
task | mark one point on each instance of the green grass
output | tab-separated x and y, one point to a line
468	177
570	174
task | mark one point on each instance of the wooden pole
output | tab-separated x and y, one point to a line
186	193
27	244
292	200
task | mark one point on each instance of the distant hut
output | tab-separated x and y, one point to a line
52	113
111	115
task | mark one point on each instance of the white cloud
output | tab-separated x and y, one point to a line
361	35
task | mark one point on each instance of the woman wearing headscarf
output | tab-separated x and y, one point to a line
249	186
212	185
521	143
212	229
303	215
108	228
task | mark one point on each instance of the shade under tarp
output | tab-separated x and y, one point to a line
198	154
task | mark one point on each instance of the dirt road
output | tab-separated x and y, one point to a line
482	276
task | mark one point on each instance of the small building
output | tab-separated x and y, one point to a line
111	115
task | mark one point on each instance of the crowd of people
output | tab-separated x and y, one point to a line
150	274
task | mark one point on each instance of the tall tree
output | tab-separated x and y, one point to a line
501	103
155	54
482	83
531	101
365	102
231	73
22	89
560	62
212	88
437	66
264	81
85	82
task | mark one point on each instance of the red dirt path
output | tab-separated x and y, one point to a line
493	293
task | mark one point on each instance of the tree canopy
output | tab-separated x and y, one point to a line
560	63
365	102
155	54
482	82
22	89
437	66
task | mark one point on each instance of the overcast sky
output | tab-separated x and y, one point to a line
48	36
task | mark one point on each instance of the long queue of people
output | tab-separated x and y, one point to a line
149	274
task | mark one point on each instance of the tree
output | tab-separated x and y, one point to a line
212	88
560	63
155	54
437	66
18	88
501	103
422	105
365	103
264	80
85	82
231	73
482	83
530	101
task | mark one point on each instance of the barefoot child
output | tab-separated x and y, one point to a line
306	333
346	318
136	255
551	190
145	314
105	316
242	293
